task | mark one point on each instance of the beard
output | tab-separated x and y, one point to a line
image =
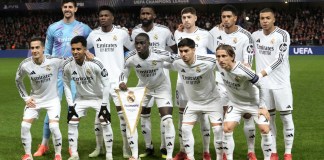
146	23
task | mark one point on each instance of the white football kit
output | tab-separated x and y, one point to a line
271	54
204	43
200	87
43	80
92	85
109	48
151	75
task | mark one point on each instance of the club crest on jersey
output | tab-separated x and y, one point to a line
283	47
235	40
155	37
198	69
237	78
154	63
115	38
104	73
48	68
197	38
273	41
88	71
130	97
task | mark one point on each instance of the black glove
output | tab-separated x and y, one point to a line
105	114
71	113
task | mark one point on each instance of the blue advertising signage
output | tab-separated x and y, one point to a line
306	50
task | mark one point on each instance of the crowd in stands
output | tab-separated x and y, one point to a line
304	26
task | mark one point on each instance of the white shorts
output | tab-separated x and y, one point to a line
236	111
214	110
53	108
83	104
279	99
161	94
181	98
223	93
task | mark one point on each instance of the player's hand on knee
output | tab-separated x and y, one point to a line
264	111
71	113
123	86
104	113
31	102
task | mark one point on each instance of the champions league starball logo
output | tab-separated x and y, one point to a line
130	97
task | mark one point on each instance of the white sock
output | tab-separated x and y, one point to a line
57	137
288	130
273	130
228	145
188	140
146	130
266	143
249	131
133	142
162	130
122	125
205	131
169	134
26	136
73	135
98	133
218	136
108	138
182	149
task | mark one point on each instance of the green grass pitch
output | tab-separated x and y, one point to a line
307	78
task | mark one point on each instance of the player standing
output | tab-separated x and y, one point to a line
148	64
272	52
160	37
204	41
42	71
109	42
242	43
58	37
244	97
91	79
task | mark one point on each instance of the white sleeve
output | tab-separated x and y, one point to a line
103	74
248	51
282	49
67	89
20	74
170	39
128	43
211	43
89	41
124	75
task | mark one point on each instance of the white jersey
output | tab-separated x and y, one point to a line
160	35
240	40
149	70
109	48
203	39
271	55
91	80
198	78
43	78
241	84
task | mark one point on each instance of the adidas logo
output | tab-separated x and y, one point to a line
258	41
225	148
222	73
253	136
169	144
71	140
183	71
24	144
219	148
220	119
168	102
97	129
268	150
187	145
98	40
31	73
220	37
207	135
110	140
59	144
290	135
124	130
131	142
288	106
57	116
138	66
144	132
74	73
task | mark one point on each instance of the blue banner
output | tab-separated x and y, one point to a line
306	50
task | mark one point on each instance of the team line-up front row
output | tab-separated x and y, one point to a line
238	92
